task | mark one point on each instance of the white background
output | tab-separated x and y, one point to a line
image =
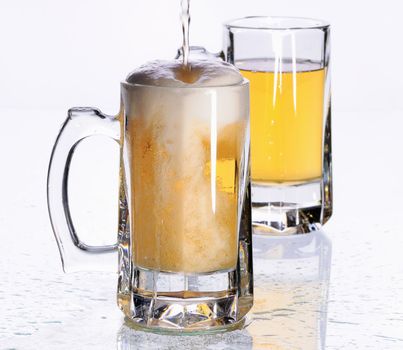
56	54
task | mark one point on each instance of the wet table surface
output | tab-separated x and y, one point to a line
338	288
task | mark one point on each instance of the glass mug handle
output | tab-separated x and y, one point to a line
82	122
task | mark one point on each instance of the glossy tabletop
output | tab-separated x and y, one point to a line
337	288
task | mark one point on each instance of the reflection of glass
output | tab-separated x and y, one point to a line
291	286
286	61
184	237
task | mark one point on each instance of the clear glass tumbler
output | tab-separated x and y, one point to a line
184	237
287	63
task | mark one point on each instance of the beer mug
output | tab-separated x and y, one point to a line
287	63
183	249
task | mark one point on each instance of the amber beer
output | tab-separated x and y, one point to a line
181	223
286	122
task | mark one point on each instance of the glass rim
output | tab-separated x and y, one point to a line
301	23
187	87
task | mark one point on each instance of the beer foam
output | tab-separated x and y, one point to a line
200	73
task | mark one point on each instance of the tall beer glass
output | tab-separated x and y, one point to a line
287	63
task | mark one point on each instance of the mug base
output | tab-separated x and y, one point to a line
201	330
178	303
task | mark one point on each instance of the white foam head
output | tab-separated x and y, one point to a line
202	73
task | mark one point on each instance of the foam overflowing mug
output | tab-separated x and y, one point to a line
184	231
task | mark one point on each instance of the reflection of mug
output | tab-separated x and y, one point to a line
292	279
131	339
184	215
